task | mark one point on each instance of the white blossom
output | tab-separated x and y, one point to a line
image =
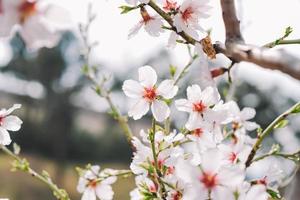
188	16
146	94
152	24
93	185
8	123
198	104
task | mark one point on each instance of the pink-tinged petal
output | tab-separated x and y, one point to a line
89	194
153	27
194	93
183	105
12	123
139	109
231	176
104	192
178	23
147	76
8	20
132	89
5	112
247	113
134	30
257	192
207	164
172	40
167	89
210	96
4	137
160	110
37	33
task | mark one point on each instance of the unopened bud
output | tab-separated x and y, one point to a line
217	72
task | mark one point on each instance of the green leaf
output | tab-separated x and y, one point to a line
281	124
127	9
288	31
172	70
275	195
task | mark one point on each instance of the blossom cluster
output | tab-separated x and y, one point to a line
185	17
206	159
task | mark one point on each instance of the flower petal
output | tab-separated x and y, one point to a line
12	123
147	76
4	137
183	105
194	93
207	164
160	110
104	192
210	96
167	89
132	89
247	113
139	109
257	192
89	194
36	33
134	30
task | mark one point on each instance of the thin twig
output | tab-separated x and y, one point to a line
267	131
23	165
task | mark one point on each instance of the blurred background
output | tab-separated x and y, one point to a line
66	124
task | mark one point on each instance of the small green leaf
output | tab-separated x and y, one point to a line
127	9
281	124
172	70
275	195
85	69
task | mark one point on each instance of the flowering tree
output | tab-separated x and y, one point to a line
207	158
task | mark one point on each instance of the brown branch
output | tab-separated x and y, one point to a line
270	59
237	50
231	22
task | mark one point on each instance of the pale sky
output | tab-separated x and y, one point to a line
262	22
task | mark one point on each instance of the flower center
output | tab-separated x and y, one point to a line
199	107
150	94
187	14
176	196
152	188
170	5
232	157
198	132
27	9
93	183
262	181
209	180
145	15
1	120
170	170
